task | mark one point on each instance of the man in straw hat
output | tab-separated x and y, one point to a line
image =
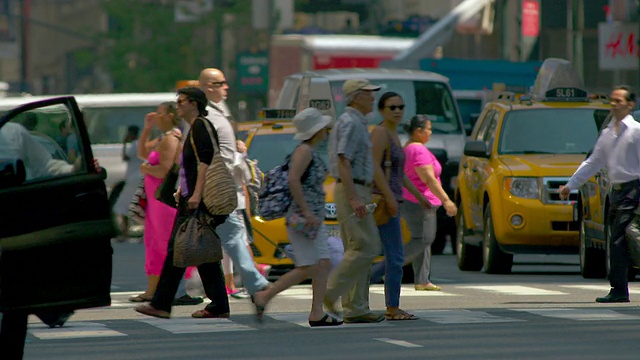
351	163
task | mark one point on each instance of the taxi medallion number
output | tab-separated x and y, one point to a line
333	230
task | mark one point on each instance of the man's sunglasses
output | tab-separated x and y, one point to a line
394	107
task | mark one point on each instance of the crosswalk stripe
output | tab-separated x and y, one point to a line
192	326
411	292
399	343
461	317
514	290
601	288
302	319
184	325
73	330
581	314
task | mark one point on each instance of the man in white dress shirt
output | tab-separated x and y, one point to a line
618	150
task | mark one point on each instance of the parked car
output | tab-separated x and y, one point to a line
522	149
107	117
55	248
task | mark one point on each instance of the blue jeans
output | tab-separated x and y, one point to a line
391	267
233	235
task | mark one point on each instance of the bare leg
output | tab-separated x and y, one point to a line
319	278
286	281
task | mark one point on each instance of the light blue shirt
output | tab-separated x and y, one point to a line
350	138
618	153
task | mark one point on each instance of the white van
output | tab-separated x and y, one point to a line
107	117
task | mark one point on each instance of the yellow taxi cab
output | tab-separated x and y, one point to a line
521	150
269	142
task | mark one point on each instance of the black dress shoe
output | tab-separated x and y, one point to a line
610	298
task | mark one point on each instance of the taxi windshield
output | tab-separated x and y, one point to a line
271	149
550	131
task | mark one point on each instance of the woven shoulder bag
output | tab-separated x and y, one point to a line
219	196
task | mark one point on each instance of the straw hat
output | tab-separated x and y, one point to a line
308	122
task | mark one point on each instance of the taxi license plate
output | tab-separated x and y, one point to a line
333	230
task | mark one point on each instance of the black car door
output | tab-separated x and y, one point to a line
56	225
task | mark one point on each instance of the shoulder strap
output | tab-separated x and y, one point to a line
386	164
214	137
193	146
305	175
177	154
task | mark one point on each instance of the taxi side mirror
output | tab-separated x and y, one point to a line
12	172
476	148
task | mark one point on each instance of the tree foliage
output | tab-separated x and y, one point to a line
144	49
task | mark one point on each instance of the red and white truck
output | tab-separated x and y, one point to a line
294	53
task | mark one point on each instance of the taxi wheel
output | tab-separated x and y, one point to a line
607	239
592	260
495	260
469	257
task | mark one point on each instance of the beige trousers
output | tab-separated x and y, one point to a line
361	245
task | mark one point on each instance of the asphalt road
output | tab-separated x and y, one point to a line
544	309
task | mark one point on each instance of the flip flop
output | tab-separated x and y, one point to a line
139	298
399	315
324	322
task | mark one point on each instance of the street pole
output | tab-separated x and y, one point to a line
24	34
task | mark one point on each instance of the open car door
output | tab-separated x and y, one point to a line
55	248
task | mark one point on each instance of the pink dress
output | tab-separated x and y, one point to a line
158	222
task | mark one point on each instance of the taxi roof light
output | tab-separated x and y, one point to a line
557	80
276	114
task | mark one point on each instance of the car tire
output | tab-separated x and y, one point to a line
607	259
592	260
469	257
495	260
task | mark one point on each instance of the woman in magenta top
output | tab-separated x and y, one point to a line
160	154
423	170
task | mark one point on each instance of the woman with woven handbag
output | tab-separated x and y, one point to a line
389	180
196	157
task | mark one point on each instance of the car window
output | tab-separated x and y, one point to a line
108	125
490	134
429	98
46	140
272	149
484	124
553	131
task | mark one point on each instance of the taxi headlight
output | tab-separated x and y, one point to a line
524	187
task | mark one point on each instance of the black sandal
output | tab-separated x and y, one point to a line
324	321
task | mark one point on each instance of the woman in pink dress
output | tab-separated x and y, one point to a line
161	153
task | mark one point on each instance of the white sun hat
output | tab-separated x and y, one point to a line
308	122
